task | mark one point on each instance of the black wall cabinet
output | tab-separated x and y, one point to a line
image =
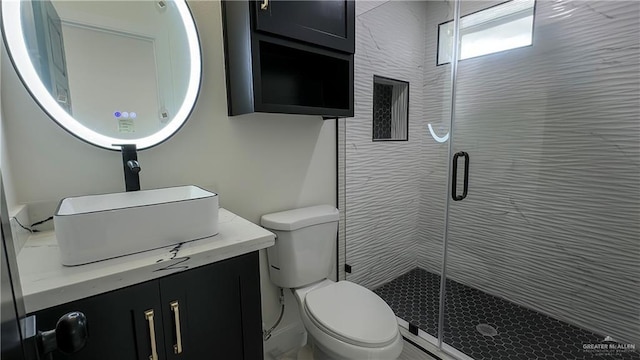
292	57
325	23
208	312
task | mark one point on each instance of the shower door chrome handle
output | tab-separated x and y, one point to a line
454	178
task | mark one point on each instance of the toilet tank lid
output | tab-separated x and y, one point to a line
298	218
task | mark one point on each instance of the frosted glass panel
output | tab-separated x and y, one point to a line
499	28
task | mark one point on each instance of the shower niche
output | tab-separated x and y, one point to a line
390	109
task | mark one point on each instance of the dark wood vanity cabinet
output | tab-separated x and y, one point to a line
219	309
115	332
216	307
293	57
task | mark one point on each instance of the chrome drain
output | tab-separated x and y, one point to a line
486	330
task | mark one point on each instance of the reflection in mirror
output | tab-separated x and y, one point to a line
110	72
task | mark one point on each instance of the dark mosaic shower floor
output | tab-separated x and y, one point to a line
521	333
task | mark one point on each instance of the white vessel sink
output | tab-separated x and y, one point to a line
98	227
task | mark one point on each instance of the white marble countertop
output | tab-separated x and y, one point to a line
45	282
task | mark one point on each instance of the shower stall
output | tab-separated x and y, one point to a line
489	183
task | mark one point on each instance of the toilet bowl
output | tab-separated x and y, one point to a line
343	320
347	321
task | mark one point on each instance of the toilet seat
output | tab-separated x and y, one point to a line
353	314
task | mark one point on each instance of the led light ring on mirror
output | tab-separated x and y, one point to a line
12	32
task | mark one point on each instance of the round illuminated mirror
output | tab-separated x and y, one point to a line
109	72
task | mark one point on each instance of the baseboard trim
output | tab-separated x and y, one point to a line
422	349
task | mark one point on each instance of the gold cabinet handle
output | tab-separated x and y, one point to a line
264	5
175	308
148	315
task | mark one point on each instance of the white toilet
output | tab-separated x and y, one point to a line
343	320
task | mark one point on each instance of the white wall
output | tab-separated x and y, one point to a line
16	211
4	155
257	163
3	150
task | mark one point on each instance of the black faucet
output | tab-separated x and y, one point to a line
131	167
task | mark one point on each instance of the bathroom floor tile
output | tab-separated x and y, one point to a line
484	326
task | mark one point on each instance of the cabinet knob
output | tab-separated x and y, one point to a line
69	336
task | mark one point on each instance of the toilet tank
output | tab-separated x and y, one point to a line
305	245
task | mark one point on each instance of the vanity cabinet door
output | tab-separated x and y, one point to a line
218	311
328	23
117	325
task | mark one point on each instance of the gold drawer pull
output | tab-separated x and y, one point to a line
175	308
264	5
148	315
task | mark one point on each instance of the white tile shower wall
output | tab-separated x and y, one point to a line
382	193
552	217
434	154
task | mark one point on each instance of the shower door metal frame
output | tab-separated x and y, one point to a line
455	54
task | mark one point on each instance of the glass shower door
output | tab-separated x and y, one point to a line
542	243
